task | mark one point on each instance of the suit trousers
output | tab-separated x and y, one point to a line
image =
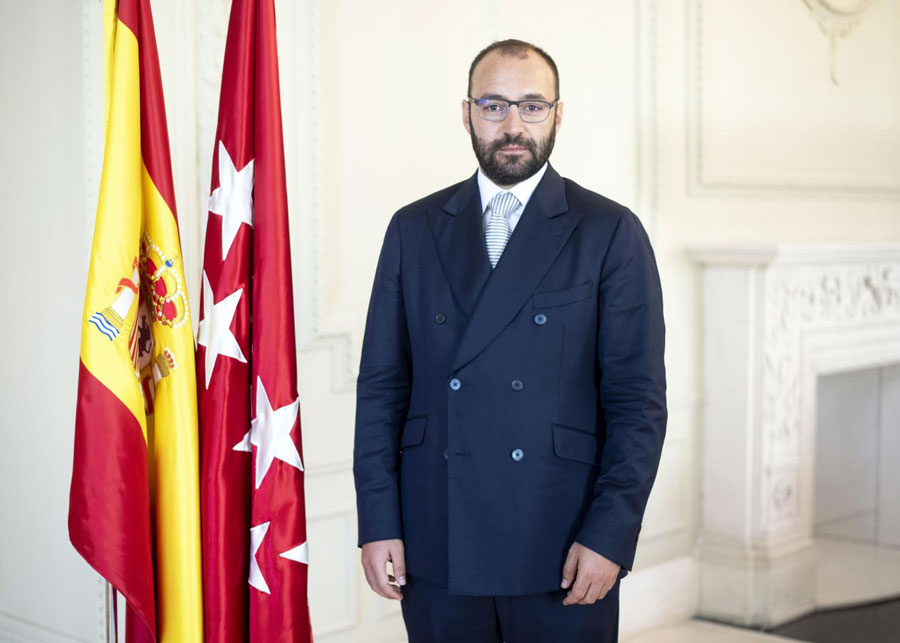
434	616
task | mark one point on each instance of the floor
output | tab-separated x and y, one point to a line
873	623
695	631
876	573
852	607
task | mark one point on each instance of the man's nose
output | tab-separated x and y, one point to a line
513	122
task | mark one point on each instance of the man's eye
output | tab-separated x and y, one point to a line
534	108
493	107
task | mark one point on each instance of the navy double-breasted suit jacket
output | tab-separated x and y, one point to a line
502	414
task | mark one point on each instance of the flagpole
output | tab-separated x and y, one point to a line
111	633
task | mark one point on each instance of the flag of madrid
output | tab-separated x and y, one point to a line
255	553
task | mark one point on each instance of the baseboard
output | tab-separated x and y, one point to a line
659	595
14	630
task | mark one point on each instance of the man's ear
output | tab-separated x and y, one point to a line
559	115
465	116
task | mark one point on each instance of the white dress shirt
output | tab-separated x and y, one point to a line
523	192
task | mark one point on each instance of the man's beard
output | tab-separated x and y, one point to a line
516	167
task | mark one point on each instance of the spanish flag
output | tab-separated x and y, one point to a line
134	505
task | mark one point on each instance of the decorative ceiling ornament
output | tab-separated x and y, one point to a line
837	18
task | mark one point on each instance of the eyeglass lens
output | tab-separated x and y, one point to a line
529	111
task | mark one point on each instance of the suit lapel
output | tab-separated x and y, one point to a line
459	238
539	236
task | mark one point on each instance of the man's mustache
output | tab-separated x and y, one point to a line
518	141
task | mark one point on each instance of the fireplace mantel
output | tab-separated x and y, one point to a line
775	317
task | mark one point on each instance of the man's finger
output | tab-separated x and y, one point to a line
376	575
372	579
381	586
579	589
592	594
387	590
604	589
398	562
572	597
395	556
569	569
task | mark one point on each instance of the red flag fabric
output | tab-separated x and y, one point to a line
255	555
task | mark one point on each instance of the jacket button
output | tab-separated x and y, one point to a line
446	457
440	318
540	319
517	454
455	384
517	385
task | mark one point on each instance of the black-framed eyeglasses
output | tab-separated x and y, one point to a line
496	109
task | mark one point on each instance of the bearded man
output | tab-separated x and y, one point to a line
511	399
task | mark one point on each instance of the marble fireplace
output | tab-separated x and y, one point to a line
775	320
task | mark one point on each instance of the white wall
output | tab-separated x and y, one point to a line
716	120
45	588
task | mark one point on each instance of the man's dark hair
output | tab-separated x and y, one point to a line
519	49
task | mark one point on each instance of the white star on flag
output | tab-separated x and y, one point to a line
300	553
233	199
270	433
215	328
257	579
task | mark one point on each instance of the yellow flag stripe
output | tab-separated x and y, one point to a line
174	448
117	229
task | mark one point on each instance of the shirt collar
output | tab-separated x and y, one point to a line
522	190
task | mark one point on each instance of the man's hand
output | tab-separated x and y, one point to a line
375	556
594	575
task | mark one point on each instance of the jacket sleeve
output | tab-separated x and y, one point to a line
382	399
630	358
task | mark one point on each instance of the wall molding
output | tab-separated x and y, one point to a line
309	276
93	106
346	574
646	90
699	181
678	525
299	61
16	630
92	102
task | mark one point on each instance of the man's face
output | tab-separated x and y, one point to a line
511	150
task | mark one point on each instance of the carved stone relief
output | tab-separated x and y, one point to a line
797	298
837	18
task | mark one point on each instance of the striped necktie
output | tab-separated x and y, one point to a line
497	232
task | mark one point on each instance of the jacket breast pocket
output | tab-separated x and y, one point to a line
574	444
551	298
413	431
